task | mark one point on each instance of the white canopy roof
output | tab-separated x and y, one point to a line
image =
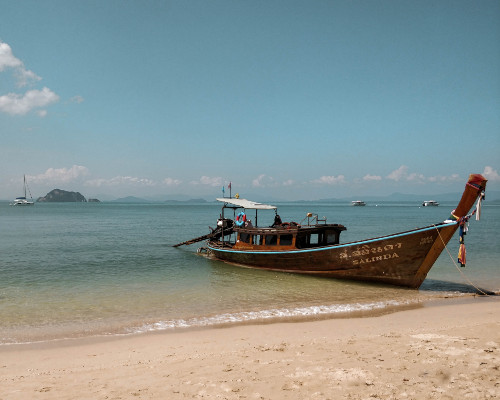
246	204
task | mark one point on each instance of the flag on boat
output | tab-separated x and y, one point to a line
461	255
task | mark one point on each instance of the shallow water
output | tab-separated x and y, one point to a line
83	269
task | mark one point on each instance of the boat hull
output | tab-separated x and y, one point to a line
402	259
22	203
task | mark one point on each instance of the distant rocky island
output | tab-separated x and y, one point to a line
63	196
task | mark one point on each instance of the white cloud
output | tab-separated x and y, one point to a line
25	76
16	104
330	180
288	182
207	180
8	60
120	180
415	177
60	175
77	99
444	179
98	182
491	174
171	182
369	177
401	174
21	104
263	180
398	174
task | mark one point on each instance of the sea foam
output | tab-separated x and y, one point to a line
272	315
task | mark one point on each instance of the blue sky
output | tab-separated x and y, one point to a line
285	99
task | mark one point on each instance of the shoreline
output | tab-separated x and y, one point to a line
444	349
263	317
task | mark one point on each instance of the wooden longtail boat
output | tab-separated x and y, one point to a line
313	247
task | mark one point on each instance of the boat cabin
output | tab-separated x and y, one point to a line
309	233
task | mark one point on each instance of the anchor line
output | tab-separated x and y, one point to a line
455	264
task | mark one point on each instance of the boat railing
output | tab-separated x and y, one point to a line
266	230
312	219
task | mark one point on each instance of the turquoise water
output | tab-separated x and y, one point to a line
85	269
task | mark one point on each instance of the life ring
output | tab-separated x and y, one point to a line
241	218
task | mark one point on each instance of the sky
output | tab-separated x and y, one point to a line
284	99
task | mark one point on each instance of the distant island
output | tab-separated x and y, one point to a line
193	201
131	199
63	196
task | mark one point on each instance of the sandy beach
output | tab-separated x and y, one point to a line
449	350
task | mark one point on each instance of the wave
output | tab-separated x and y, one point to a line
275	315
109	328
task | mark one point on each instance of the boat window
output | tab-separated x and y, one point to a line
332	238
245	237
271	240
286	240
315	239
302	241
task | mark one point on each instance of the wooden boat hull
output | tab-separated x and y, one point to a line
402	259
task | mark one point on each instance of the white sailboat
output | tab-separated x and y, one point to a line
22	201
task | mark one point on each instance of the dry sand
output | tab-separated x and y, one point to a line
449	351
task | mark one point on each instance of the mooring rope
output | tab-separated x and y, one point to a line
456	266
466	219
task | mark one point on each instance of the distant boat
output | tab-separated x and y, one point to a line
358	203
430	203
22	201
313	247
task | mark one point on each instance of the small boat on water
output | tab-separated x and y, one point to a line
22	200
430	203
358	203
313	246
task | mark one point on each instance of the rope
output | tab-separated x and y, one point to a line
31	196
456	266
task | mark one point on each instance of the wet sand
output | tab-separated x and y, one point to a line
448	350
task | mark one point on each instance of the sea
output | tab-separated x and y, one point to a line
73	270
